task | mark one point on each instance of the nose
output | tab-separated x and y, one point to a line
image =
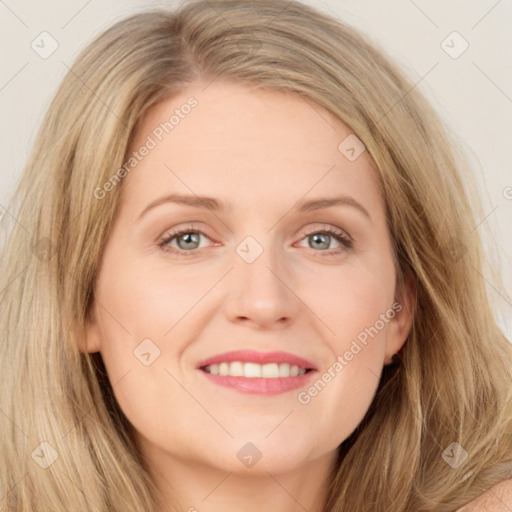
261	293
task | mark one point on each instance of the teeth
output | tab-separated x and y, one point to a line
254	370
284	370
236	369
270	371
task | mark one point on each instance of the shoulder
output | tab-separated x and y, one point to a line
496	499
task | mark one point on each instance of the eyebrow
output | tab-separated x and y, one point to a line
213	204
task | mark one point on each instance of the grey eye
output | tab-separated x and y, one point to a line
190	240
322	239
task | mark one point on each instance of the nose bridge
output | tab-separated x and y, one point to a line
259	290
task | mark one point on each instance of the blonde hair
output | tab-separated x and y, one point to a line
453	380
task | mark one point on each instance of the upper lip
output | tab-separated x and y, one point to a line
252	356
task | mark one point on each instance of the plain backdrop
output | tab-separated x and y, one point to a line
467	75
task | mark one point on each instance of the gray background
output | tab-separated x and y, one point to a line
473	92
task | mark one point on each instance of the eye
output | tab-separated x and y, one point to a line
322	240
187	240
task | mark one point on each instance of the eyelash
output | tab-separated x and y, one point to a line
338	235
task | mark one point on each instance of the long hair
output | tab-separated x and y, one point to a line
66	445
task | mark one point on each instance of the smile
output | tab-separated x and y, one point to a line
254	370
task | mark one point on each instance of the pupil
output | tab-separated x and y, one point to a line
189	238
325	243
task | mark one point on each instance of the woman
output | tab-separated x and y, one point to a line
254	368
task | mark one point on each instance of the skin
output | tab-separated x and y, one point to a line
496	499
261	152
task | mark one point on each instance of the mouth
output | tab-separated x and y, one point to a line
254	370
248	371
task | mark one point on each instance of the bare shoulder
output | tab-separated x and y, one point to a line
496	499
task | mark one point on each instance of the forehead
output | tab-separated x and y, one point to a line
243	144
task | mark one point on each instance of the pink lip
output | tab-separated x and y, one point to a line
251	356
260	386
257	385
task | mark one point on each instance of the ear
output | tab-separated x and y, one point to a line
400	325
91	338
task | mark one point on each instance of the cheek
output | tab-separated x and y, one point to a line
143	324
346	384
148	300
343	397
351	299
356	308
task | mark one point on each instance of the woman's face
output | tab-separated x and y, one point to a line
257	271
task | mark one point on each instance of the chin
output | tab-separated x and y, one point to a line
260	456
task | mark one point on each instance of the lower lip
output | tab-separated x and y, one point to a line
259	386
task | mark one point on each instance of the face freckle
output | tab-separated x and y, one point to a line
261	274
